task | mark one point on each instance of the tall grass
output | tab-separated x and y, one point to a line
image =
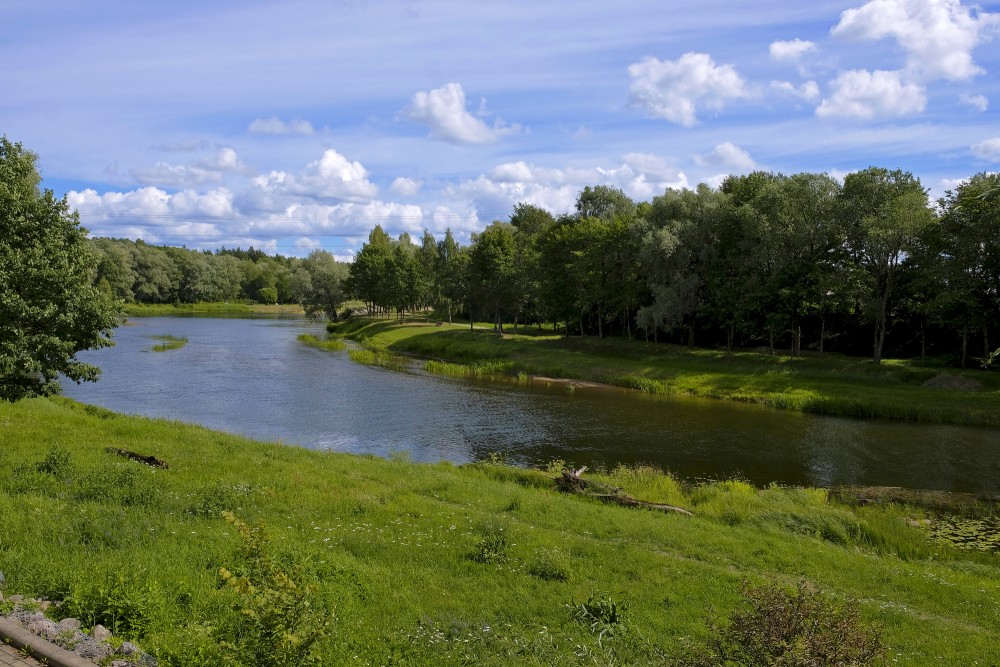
329	344
381	358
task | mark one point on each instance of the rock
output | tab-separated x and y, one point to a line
69	624
128	648
100	633
42	627
91	649
44	604
16	598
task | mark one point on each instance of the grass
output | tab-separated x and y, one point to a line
170	342
825	384
329	344
203	309
415	564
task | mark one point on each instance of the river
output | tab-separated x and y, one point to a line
251	376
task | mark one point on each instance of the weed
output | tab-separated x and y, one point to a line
549	565
493	547
602	614
799	628
56	463
279	624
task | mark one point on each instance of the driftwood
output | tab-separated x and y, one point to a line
570	481
148	460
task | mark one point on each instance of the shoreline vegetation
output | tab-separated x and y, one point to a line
168	342
415	564
208	309
829	384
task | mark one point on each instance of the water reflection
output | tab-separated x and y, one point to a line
253	377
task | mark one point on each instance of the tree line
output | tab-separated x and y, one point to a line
802	262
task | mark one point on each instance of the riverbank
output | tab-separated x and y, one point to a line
437	564
823	384
210	309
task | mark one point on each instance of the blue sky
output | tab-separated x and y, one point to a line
301	125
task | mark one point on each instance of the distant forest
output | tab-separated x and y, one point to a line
868	266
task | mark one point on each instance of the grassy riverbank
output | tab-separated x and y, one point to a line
433	564
210	309
828	384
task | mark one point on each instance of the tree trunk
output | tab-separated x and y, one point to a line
730	335
798	341
691	335
923	343
822	333
770	339
965	344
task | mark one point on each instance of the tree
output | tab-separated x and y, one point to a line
322	285
49	311
886	212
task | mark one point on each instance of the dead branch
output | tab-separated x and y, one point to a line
570	481
148	460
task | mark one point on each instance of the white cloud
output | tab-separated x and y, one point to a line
174	175
868	95
978	102
807	91
306	245
275	125
729	156
790	50
676	89
406	187
987	150
225	159
330	177
937	35
639	175
443	111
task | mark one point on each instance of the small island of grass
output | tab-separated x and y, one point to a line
169	342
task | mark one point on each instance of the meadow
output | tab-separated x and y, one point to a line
247	552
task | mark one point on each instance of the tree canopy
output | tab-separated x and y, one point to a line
49	308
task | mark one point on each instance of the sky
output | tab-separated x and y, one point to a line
294	126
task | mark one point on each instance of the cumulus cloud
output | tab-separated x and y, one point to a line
443	111
333	176
869	95
978	102
405	186
937	35
808	91
306	245
790	50
174	175
676	89
275	125
225	159
640	175
988	150
727	156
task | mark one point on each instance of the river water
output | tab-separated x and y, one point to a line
251	376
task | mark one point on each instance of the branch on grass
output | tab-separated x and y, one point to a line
570	481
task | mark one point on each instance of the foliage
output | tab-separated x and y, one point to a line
280	625
799	628
170	342
49	311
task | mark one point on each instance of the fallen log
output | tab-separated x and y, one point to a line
148	460
570	481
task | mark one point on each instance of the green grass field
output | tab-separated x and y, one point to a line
828	384
436	564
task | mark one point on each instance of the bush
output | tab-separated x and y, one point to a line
799	628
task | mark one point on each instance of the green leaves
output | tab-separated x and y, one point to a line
48	309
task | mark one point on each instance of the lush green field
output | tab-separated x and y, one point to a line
209	309
438	565
828	384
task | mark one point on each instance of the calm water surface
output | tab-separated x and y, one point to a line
254	378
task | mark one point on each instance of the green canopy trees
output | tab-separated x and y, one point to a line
49	310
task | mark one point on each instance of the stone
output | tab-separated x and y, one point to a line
69	624
91	649
16	598
128	648
100	633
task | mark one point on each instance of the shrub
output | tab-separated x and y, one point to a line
279	625
799	628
